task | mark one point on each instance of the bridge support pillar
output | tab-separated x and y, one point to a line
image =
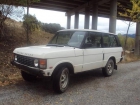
94	16
76	23
137	39
113	16
87	17
68	21
27	31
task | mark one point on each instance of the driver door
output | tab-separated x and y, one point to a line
93	53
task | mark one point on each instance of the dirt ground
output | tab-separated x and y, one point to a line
88	88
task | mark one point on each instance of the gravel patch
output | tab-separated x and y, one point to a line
88	88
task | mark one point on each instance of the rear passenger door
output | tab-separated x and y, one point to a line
111	48
93	54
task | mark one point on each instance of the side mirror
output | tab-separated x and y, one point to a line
87	45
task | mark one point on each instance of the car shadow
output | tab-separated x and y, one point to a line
44	87
86	76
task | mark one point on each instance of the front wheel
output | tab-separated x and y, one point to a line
109	68
61	80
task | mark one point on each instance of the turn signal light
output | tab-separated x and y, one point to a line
42	63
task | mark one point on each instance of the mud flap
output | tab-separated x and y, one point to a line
115	67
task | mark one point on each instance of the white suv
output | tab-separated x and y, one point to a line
69	52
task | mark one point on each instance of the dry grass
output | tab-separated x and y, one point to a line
130	57
40	37
16	38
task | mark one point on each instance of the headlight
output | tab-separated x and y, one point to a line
15	57
36	62
42	63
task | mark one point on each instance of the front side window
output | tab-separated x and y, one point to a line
68	38
94	39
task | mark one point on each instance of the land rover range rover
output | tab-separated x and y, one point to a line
69	52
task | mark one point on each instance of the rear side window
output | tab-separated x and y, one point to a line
113	41
106	40
110	41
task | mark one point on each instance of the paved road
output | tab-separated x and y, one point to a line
90	88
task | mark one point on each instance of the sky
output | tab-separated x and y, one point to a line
47	16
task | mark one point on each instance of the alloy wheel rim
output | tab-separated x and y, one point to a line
109	68
64	79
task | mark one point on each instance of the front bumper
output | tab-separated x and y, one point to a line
30	70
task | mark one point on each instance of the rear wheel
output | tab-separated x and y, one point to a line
61	80
28	77
109	68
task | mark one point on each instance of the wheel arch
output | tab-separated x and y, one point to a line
67	64
114	60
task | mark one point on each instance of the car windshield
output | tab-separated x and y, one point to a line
68	38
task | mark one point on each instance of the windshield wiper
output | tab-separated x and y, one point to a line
57	45
68	45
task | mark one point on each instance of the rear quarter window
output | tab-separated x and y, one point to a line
118	41
113	41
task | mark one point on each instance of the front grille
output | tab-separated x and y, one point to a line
28	61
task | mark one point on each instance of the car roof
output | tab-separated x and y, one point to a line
90	30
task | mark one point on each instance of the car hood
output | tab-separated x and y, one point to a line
45	51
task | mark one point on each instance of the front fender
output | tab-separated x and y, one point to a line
53	63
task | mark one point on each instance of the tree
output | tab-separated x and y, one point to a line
133	14
51	28
5	12
9	8
30	24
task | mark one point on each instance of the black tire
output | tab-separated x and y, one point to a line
61	80
28	77
109	68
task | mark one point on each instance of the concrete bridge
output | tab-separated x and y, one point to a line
94	8
102	8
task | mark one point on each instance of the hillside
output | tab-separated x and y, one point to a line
130	35
130	42
16	37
